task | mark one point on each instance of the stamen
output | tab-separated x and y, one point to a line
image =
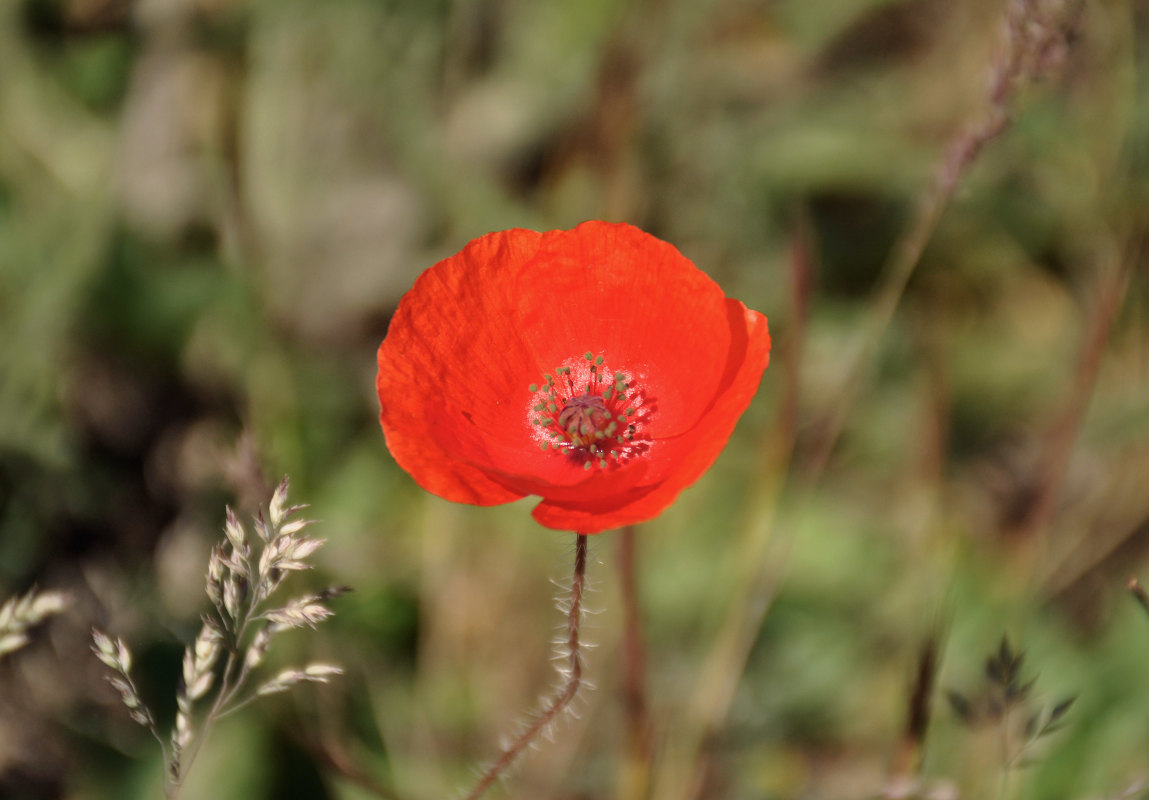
578	424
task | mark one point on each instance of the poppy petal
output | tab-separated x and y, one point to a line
684	459
611	288
452	345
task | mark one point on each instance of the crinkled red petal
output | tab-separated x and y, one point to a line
682	460
453	346
608	289
611	289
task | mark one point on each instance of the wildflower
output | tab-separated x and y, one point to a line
596	368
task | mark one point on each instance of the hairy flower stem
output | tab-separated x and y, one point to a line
566	693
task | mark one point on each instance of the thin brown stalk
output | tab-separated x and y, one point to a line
919	710
635	782
236	224
1112	284
1063	432
800	272
1035	40
566	693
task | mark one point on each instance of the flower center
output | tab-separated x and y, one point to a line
584	416
591	418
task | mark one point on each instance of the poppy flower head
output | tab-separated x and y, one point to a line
596	368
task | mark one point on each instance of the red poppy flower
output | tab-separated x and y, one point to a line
597	368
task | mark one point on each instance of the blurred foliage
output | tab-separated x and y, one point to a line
208	212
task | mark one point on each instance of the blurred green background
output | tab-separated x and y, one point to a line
210	208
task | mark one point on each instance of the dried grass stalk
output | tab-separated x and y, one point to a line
242	575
